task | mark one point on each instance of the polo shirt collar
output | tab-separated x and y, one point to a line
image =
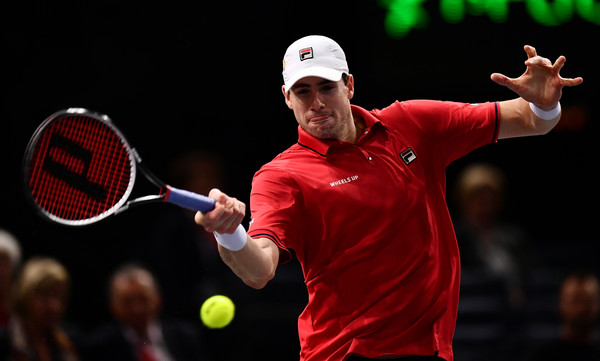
321	146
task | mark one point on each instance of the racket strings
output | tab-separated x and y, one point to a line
116	173
78	206
80	168
37	178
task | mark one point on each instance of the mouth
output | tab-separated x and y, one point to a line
320	118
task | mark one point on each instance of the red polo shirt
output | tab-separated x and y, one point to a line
369	224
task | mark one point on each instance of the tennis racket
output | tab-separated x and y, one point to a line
80	169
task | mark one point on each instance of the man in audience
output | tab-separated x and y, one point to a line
579	307
140	334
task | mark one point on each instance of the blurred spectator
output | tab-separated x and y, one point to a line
579	307
182	256
10	259
487	243
39	301
197	171
493	258
139	334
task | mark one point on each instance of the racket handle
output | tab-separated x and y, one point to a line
190	200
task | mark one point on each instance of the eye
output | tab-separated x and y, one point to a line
327	88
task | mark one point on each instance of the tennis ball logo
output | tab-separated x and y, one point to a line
217	311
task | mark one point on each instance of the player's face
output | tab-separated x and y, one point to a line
322	107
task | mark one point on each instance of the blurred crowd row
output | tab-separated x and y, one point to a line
519	300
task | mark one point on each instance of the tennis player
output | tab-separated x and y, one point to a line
360	199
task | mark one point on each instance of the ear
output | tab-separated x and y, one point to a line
286	95
350	86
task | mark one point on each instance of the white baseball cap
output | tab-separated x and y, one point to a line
313	55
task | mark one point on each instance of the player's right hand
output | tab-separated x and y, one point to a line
227	215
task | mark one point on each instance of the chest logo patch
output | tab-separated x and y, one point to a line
408	155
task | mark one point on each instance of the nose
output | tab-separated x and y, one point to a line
317	102
54	308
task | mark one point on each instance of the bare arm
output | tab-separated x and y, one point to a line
541	84
257	261
517	120
255	264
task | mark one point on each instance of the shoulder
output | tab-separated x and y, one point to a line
408	107
287	164
429	108
413	116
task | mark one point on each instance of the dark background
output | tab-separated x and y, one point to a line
182	76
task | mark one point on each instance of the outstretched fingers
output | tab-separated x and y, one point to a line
501	79
530	50
541	82
572	81
558	65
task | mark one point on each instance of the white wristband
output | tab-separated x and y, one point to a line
545	114
234	241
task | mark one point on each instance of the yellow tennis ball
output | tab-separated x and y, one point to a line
217	311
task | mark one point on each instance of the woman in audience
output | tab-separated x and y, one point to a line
39	302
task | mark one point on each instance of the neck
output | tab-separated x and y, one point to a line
355	129
351	128
359	126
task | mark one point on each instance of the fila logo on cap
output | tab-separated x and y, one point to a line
306	53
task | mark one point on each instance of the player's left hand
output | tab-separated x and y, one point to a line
541	84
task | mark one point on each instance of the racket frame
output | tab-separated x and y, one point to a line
180	197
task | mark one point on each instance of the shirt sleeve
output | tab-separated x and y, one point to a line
449	129
275	203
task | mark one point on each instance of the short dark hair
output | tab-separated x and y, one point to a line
345	78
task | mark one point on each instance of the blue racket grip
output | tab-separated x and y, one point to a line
190	200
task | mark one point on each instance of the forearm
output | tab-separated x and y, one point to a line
255	264
518	120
